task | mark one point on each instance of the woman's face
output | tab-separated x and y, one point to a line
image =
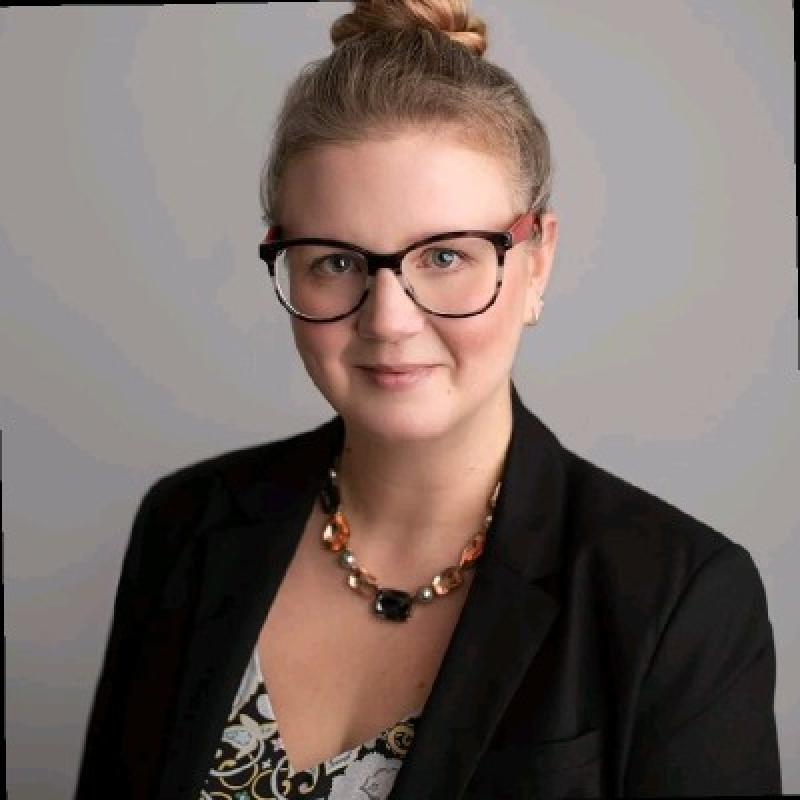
384	195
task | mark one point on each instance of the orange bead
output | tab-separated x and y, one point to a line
341	532
472	552
447	580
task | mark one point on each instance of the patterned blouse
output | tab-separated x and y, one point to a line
251	764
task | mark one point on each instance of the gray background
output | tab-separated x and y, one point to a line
140	333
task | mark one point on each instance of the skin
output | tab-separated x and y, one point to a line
418	465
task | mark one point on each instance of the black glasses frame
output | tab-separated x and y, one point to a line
503	241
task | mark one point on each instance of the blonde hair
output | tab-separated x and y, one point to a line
401	65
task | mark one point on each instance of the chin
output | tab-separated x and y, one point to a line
395	422
400	431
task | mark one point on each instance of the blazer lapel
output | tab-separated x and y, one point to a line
242	567
502	624
500	630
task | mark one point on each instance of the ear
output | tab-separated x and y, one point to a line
541	254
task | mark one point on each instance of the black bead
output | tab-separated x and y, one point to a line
393	604
329	497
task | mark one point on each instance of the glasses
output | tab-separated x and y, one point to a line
455	274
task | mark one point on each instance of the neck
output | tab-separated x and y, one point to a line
416	502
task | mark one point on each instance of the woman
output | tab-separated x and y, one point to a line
427	596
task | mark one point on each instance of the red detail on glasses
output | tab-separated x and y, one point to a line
272	234
524	226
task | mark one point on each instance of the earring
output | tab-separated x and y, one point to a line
535	313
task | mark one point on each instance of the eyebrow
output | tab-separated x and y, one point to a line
286	233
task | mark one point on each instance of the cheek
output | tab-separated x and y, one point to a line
498	328
483	345
488	342
317	343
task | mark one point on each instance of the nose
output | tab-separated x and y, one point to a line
388	312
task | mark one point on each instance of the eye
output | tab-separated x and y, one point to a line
341	261
450	260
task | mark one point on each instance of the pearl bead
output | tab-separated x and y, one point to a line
424	594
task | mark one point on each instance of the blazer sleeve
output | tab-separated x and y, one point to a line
705	723
131	605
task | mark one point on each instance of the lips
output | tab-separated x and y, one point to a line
397	370
394	379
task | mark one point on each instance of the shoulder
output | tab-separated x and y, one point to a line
232	487
186	492
614	518
645	557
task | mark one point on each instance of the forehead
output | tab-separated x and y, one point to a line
386	193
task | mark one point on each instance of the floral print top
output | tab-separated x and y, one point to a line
251	764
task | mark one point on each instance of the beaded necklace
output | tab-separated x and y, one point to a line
392	604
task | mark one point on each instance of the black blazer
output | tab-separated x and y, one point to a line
610	644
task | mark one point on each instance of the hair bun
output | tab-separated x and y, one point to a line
450	17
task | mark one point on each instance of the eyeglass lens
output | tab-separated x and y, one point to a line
450	276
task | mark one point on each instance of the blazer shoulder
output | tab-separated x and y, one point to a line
635	533
180	494
229	488
658	574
